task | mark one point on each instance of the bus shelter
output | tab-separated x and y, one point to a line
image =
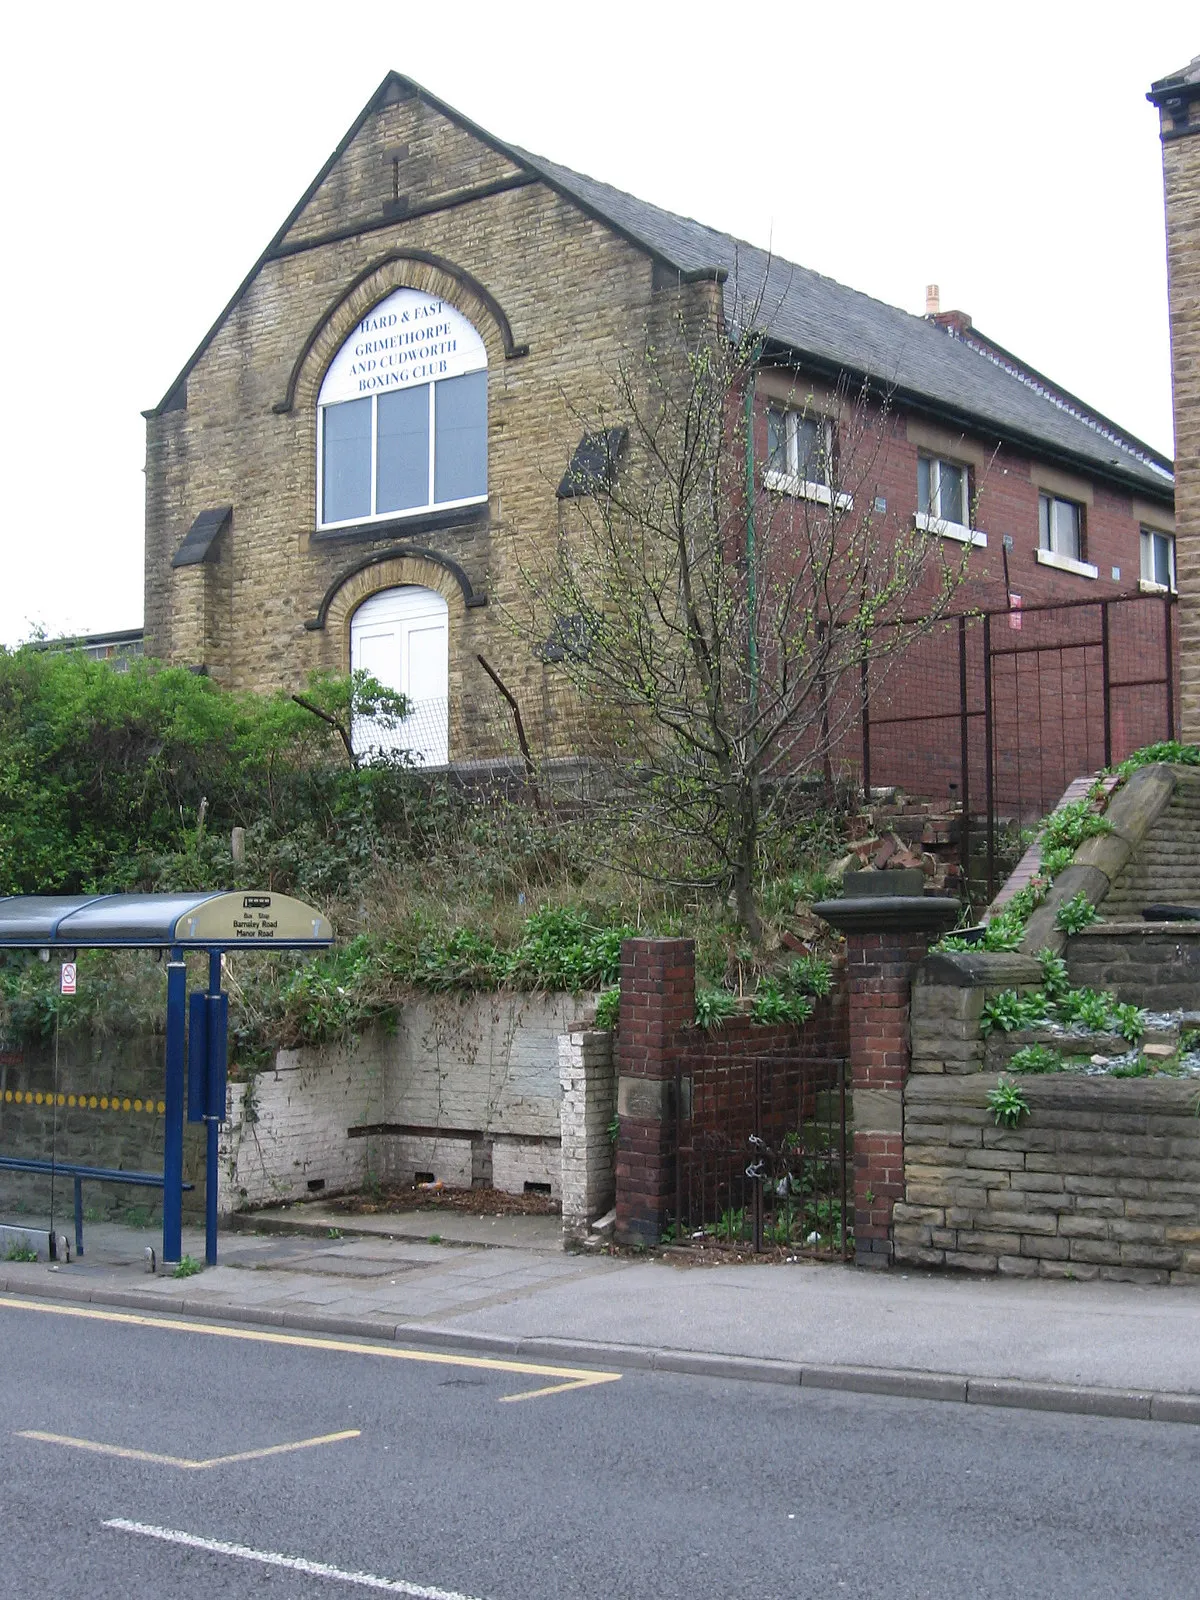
196	1053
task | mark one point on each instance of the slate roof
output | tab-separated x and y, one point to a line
845	330
973	384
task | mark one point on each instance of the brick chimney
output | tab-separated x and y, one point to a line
933	300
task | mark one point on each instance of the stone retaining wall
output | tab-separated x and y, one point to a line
1152	964
1101	1179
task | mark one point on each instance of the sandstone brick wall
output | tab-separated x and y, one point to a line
1181	178
1102	1179
1143	963
577	296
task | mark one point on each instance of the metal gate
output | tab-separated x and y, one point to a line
761	1154
997	712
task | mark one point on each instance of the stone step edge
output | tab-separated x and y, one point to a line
251	1222
1145	1405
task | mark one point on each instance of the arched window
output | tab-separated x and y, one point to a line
402	415
401	637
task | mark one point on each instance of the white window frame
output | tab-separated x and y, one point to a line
790	482
1052	557
409	511
931	522
1148	583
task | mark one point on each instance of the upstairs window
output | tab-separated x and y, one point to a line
800	456
1158	559
1061	536
402	415
944	500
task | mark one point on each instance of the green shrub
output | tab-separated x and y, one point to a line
1076	913
1010	1011
771	1004
1035	1058
713	1006
608	1008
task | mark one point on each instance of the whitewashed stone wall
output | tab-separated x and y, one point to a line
287	1129
589	1103
467	1086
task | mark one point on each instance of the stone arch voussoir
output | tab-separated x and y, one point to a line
395	573
393	272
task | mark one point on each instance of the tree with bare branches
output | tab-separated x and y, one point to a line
725	575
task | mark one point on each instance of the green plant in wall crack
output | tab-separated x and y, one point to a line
1076	913
187	1268
1129	1021
1007	1104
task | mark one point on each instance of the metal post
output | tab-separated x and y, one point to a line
211	1127
988	765
1169	637
964	729
172	1244
1105	678
78	1215
866	732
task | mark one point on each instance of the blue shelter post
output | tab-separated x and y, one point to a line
172	1245
214	1115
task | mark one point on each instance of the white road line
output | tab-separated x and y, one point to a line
272	1558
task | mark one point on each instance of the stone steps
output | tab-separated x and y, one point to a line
1167	865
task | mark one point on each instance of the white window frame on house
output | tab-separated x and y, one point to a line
1150	583
932	520
1051	537
388	355
788	480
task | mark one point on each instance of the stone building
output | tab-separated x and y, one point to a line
344	470
1177	98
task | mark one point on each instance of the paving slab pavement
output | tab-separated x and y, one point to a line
1123	1349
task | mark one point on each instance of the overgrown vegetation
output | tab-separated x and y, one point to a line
1090	1010
133	781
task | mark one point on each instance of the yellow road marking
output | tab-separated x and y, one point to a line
570	1377
555	1388
184	1462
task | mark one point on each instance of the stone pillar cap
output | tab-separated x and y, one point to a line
890	913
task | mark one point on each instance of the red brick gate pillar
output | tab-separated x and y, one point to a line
658	998
886	937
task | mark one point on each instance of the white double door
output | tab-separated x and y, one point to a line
402	638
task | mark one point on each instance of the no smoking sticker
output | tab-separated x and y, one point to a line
68	977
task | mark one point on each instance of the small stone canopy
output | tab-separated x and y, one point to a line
213	921
197	546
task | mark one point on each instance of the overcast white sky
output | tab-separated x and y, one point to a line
1005	152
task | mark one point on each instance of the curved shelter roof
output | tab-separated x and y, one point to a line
214	920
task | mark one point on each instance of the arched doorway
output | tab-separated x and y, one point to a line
401	637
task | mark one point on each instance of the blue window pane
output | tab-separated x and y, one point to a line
460	440
402	456
346	469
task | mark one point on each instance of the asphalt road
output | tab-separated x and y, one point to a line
649	1485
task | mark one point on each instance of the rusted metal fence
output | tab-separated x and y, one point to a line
761	1154
999	711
